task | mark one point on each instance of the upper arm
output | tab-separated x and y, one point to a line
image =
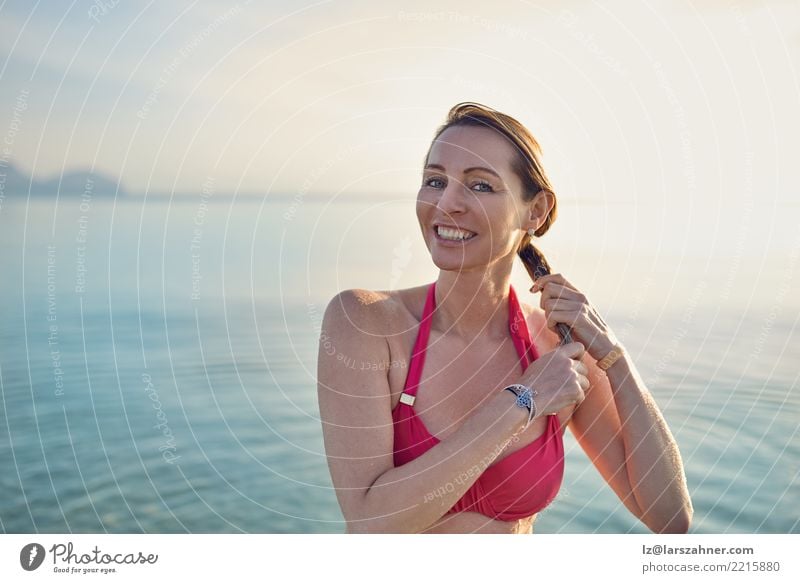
354	395
597	428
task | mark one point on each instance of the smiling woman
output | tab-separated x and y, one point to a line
467	435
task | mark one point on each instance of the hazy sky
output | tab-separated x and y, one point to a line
673	103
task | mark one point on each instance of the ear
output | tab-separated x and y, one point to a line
538	209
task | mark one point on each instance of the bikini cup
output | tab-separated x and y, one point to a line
520	483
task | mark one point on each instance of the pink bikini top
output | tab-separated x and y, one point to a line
518	485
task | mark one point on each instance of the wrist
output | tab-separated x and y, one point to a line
507	410
611	356
524	400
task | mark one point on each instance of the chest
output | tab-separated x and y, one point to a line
457	377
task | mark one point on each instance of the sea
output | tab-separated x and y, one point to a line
158	356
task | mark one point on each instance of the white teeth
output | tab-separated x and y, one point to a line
453	234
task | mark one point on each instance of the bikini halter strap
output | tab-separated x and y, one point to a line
517	326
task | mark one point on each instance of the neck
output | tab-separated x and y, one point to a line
472	304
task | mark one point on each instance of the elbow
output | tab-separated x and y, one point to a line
359	518
362	520
372	526
379	525
369	516
357	527
679	523
363	524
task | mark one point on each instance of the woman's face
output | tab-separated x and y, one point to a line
470	206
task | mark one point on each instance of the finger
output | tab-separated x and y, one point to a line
568	317
543	281
554	304
555	278
557	290
574	350
581	368
584	382
580	396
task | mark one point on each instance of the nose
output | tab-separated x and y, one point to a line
452	199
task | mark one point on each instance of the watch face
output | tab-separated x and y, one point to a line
523	392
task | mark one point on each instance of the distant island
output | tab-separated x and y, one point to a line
77	183
14	183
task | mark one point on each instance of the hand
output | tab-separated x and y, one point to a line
559	378
562	302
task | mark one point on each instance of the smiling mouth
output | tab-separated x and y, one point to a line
451	234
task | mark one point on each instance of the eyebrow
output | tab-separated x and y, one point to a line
466	170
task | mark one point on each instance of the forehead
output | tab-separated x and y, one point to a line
466	146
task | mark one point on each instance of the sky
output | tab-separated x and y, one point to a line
685	106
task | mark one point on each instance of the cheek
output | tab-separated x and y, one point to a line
500	213
505	224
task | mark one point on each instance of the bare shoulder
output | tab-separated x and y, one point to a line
358	303
378	312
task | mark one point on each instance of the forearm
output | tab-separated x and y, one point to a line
653	461
413	496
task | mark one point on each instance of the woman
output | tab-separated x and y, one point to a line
444	405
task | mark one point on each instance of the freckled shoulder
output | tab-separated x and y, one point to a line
390	312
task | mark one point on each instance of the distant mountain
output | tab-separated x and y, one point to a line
72	183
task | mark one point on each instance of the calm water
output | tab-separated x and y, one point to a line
158	363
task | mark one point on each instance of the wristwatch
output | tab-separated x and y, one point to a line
525	397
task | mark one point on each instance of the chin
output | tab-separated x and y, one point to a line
450	264
453	259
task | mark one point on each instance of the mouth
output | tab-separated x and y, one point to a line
452	234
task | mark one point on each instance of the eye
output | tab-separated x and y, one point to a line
485	185
434	182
